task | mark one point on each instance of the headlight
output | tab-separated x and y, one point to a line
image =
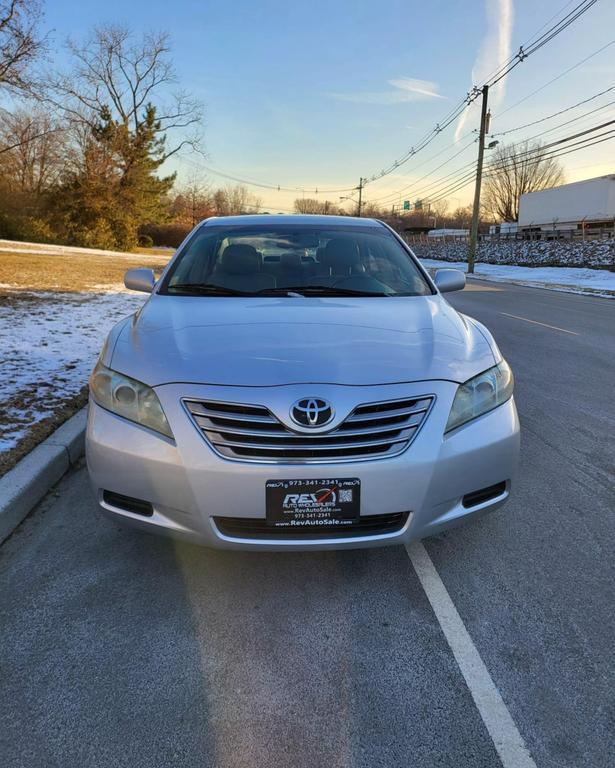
128	398
481	394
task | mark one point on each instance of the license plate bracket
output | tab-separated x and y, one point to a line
314	503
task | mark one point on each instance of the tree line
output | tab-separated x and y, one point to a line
82	147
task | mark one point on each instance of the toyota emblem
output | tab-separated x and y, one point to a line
311	412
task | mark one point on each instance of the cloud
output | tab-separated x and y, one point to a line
404	89
420	88
494	50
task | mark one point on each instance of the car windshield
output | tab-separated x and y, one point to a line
294	261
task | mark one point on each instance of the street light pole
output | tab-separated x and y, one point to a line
484	127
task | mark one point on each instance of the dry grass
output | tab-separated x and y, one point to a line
39	431
72	272
154	251
21	274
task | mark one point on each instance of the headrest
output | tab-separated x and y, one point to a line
341	253
290	261
239	259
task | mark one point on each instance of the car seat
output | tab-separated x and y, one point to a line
239	268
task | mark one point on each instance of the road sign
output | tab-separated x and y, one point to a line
418	205
406	205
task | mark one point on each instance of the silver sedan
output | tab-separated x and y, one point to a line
299	382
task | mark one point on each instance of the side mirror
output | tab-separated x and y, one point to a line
447	280
141	279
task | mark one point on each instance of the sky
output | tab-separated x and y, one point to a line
314	95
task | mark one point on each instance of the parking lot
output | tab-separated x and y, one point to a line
124	649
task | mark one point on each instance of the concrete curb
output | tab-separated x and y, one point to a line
24	486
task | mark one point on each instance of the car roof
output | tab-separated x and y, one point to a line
291	220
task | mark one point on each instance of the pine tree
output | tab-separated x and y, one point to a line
116	188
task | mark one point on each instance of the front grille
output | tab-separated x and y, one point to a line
257	528
252	433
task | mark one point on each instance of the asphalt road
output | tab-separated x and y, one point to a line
122	649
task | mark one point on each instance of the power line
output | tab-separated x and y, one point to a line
449	192
391	196
463	179
426	140
584	116
562	74
590	142
526	50
444	149
463	176
556	114
277	187
505	69
540	153
444	180
451	187
542	147
531	40
264	185
493	74
549	20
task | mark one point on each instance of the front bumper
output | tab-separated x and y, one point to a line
188	484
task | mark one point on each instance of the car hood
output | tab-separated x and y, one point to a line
271	341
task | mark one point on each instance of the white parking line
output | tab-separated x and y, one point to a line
545	325
496	717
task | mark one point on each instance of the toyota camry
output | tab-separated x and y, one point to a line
299	382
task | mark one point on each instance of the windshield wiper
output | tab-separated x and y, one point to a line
318	290
211	289
206	289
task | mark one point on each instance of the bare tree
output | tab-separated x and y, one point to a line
461	218
371	210
513	170
114	73
311	205
193	202
20	42
436	212
233	200
307	205
32	151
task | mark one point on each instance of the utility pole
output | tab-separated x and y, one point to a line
484	128
360	196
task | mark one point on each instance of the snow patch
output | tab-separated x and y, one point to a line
598	282
49	343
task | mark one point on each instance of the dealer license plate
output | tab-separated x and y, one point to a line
313	503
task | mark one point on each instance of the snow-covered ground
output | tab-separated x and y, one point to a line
48	345
599	282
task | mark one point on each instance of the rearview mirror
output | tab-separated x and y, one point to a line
140	279
447	280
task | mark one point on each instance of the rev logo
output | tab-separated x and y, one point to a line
325	497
